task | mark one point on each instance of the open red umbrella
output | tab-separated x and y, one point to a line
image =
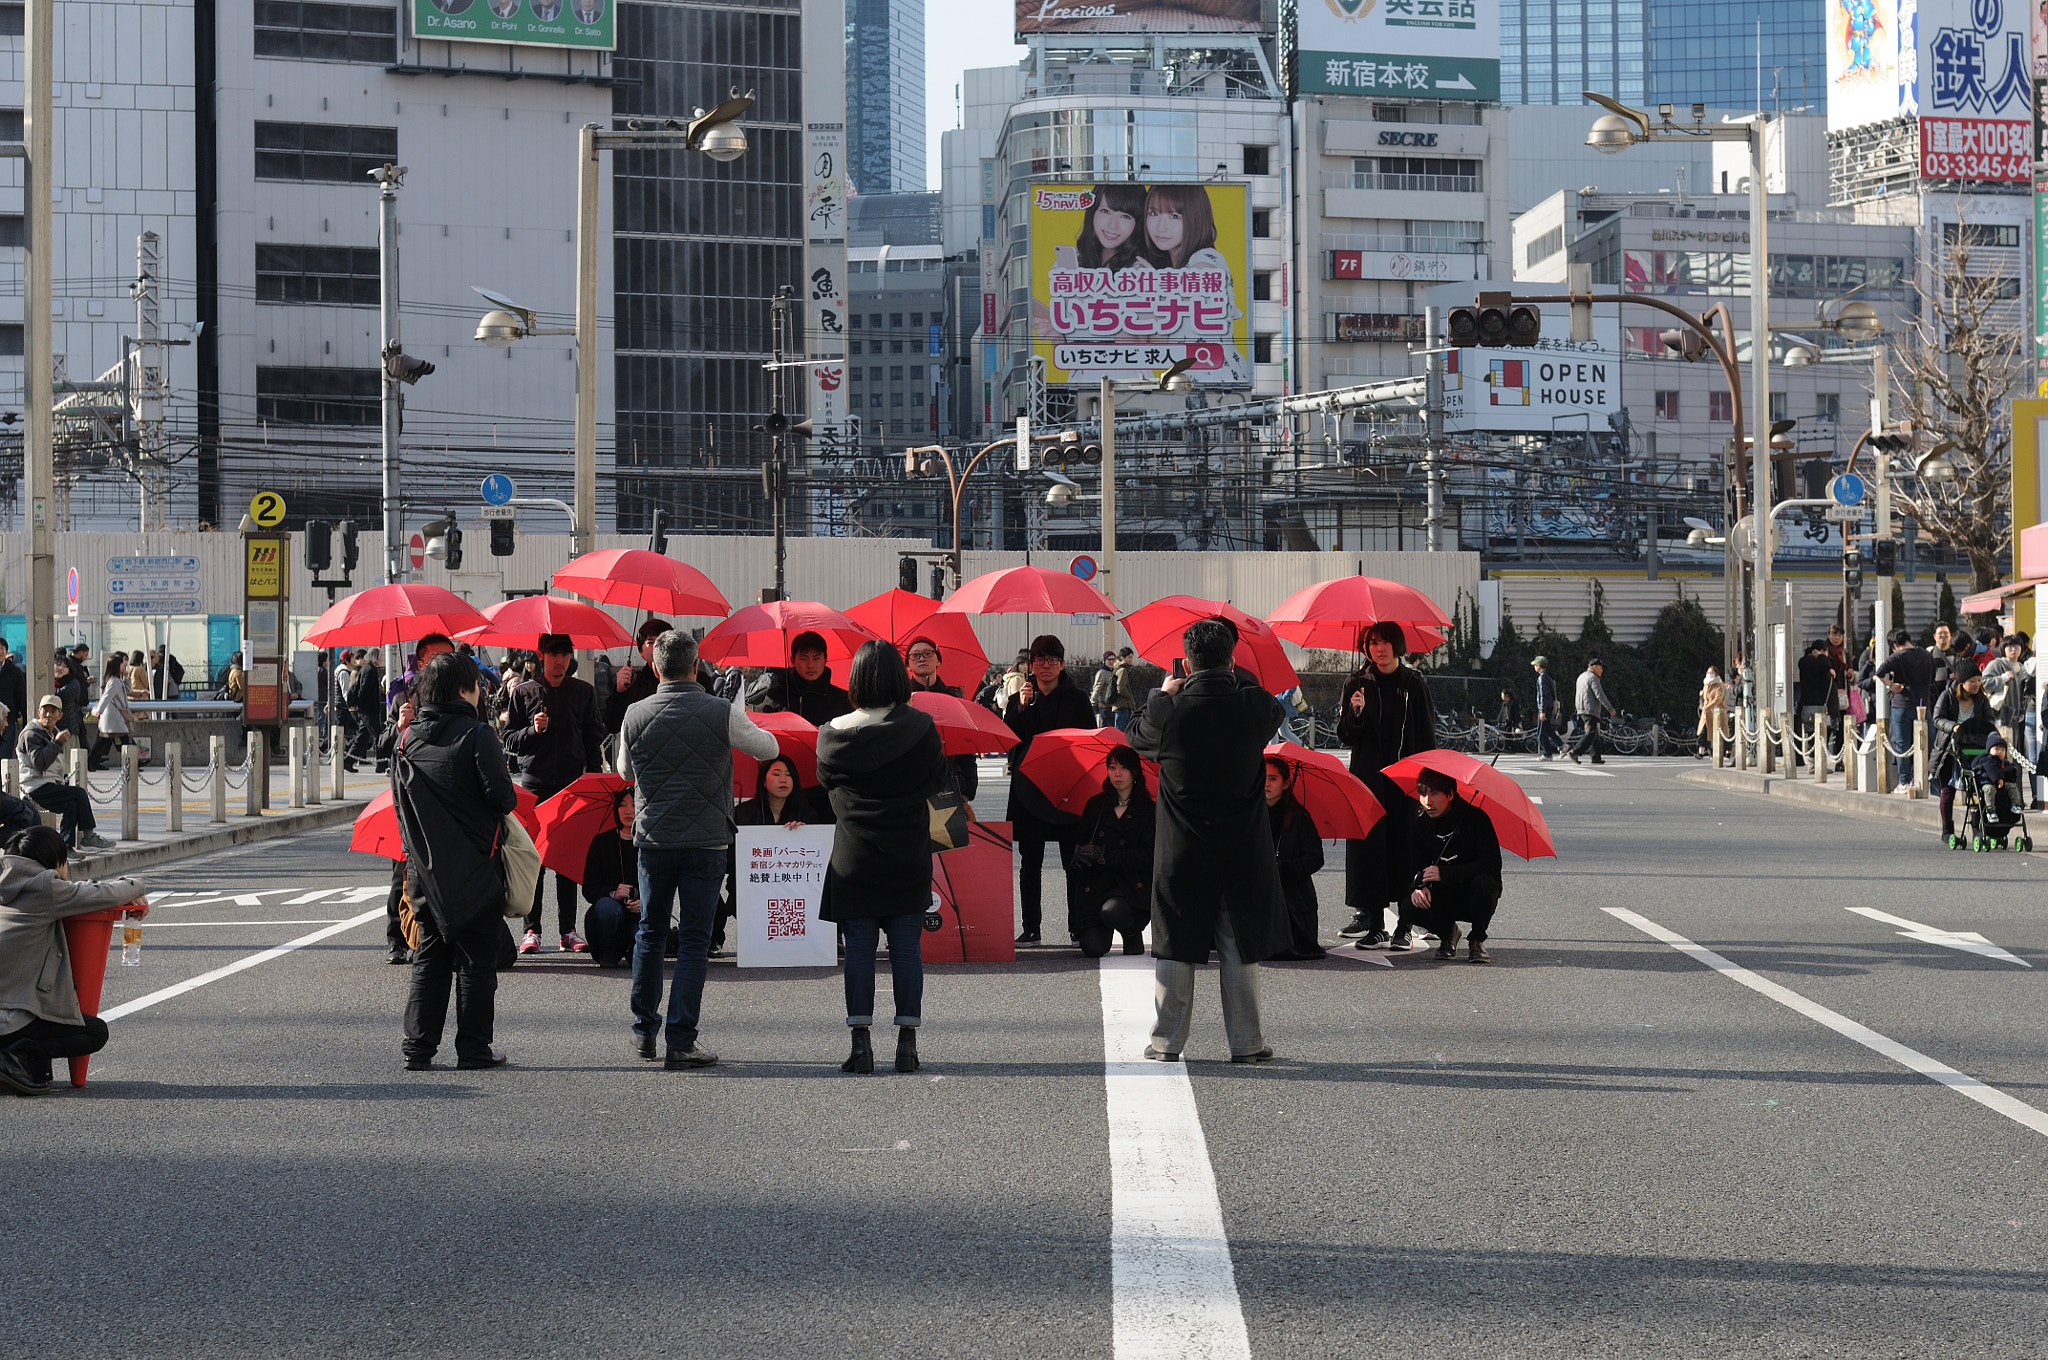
966	729
1333	614
1069	764
900	615
382	615
1028	590
523	622
376	826
1156	628
575	817
797	737
1517	821
760	634
1343	807
641	579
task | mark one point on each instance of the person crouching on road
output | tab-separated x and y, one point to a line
1109	887
881	764
1298	852
611	884
452	793
779	800
42	768
1459	880
40	1019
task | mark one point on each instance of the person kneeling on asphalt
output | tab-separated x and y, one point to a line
611	884
40	1019
42	752
1460	878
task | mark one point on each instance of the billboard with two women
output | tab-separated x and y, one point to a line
1129	278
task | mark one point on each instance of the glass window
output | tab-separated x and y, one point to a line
337	276
895	373
319	396
304	31
321	153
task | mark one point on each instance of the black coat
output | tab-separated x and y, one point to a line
1065	707
1214	844
1951	731
613	859
966	774
817	701
550	761
1298	852
1398	721
452	792
617	701
880	768
1126	870
14	692
1462	844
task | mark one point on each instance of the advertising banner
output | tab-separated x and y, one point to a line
1864	80
1129	278
1359	327
780	885
1976	90
1424	49
1404	265
1554	385
1137	16
543	23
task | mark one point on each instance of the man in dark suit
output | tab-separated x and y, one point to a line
1215	881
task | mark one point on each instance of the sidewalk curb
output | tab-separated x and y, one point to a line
1919	812
243	831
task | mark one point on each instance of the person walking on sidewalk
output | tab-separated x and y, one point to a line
1593	708
116	719
553	733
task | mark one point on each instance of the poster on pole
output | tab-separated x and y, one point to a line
779	879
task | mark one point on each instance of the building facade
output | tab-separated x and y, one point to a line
885	113
1552	50
1706	52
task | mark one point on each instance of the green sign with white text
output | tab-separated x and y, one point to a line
549	23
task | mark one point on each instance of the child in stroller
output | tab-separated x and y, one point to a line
1991	785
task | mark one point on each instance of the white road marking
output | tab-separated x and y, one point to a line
238	966
240	899
1346	951
1969	941
307	899
1990	1097
1534	799
194	925
1173	1287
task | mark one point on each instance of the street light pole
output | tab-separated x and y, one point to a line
389	178
1108	572
583	534
1770	679
38	445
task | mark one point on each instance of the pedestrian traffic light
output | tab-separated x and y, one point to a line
1884	556
658	540
1852	570
319	545
351	552
906	573
1495	321
404	367
454	546
501	538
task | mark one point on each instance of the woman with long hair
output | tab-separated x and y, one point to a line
1109	885
1180	233
1298	849
1111	237
880	765
778	800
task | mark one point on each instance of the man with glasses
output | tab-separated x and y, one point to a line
923	656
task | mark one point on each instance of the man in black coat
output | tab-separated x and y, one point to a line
630	684
1383	715
553	733
805	688
452	792
1047	701
1458	879
1215	881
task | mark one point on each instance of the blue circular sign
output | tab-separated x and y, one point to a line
498	489
1846	489
1083	567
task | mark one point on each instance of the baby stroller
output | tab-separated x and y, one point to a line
1991	815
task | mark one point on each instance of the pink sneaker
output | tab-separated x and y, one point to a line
530	942
572	943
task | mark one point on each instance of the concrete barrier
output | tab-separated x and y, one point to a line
1886	807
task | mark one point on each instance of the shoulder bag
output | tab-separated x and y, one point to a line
522	867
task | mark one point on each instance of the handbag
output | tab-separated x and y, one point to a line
949	818
522	867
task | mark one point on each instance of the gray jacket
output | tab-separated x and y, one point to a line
42	756
680	741
1591	698
35	966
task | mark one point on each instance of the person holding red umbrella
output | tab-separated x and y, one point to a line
805	688
1046	700
1384	714
925	658
553	735
1459	878
611	884
631	684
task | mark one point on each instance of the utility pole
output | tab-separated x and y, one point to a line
1650	524
389	178
1769	683
776	474
148	386
1432	464
38	446
1108	572
583	535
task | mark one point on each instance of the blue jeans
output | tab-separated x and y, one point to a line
690	879
906	966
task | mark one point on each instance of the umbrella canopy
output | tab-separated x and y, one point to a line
1028	590
383	615
900	615
1069	764
1334	613
798	739
966	729
640	579
1343	807
1517	821
1156	628
575	817
760	634
524	621
376	827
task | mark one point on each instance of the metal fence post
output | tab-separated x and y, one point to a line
131	792
336	742
174	787
10	777
312	770
217	779
1820	748
1920	754
259	772
295	764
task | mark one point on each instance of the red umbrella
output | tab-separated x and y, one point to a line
900	615
1343	807
1334	613
967	729
575	817
797	737
1069	764
376	827
522	622
1028	590
640	579
760	634
382	615
1155	633
1517	821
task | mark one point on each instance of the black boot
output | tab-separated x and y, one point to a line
906	1049
862	1059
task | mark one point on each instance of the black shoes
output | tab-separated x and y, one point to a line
1157	1056
15	1076
906	1049
495	1058
1134	944
1575	756
643	1047
399	956
419	1064
1477	953
1028	937
1359	926
1402	942
683	1059
1448	949
1374	940
862	1059
1264	1055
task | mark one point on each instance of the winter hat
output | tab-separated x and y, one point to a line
1965	670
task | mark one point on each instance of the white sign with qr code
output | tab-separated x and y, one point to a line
780	879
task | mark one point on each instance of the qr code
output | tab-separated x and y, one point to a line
786	917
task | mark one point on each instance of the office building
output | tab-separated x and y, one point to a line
970	191
1705	52
896	322
1552	50
885	115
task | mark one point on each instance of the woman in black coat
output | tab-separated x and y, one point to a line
1962	720
881	764
779	800
1109	887
1047	701
1384	715
1298	850
611	884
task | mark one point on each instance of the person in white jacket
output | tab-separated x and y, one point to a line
116	719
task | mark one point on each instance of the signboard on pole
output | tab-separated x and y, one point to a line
266	596
542	23
780	881
71	593
1422	49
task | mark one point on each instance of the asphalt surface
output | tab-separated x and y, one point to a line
1596	1147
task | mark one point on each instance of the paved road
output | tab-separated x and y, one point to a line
1601	1146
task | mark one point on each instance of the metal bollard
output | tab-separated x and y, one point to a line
259	773
1717	744
1741	746
1788	732
1482	736
1881	756
295	764
174	787
217	779
336	746
131	792
1820	748
10	777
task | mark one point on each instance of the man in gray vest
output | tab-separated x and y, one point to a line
680	740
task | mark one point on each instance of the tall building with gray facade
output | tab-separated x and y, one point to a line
885	136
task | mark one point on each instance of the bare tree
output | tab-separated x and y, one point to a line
1960	362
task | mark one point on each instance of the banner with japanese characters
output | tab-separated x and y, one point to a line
779	882
1419	49
1976	91
1127	279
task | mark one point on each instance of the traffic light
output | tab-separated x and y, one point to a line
319	545
938	581
501	538
657	541
1852	570
454	546
906	574
404	367
1495	321
351	552
1884	556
